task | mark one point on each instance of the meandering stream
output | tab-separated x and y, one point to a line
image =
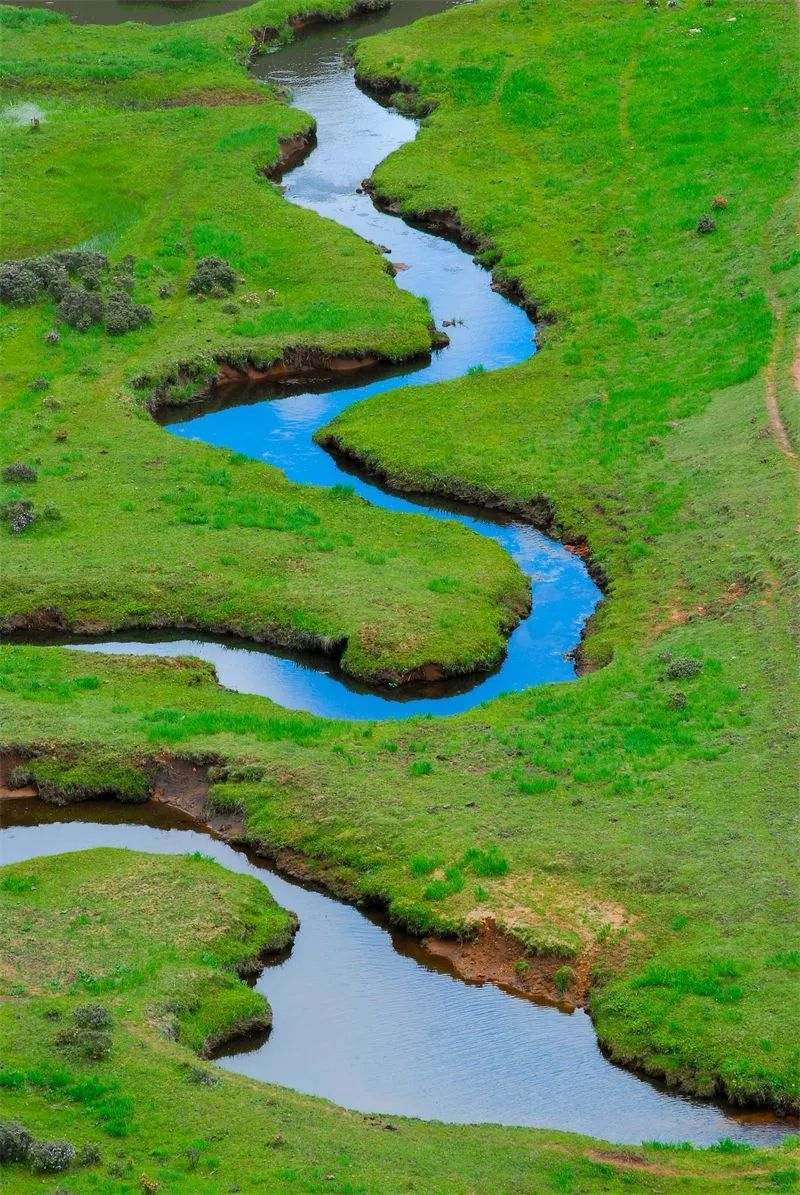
272	424
362	1015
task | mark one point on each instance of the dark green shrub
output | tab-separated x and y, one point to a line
123	315
678	701
92	1016
18	283
92	1044
212	276
80	309
19	471
50	1157
51	511
88	1155
15	1141
683	667
705	225
18	514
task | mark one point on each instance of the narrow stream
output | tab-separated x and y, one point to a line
365	1017
276	425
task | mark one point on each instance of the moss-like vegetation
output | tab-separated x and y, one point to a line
149	154
144	949
643	814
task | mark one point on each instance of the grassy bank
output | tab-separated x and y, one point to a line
637	825
132	527
123	964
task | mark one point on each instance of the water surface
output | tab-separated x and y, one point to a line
365	1017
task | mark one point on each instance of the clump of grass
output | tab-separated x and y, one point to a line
486	863
563	979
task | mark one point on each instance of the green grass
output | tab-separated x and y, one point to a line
155	532
154	941
646	818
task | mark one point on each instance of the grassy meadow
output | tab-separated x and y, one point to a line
637	825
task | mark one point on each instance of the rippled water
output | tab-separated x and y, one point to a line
364	1017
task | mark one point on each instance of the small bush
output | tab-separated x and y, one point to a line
18	283
80	308
683	667
212	276
51	511
19	471
18	514
705	225
123	315
50	1157
52	337
88	1155
678	701
92	1044
421	767
719	203
92	1016
15	1141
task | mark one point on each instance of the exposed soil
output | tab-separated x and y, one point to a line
494	956
293	151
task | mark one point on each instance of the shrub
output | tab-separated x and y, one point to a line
212	276
80	309
50	1157
719	203
19	471
52	337
91	1044
18	283
51	511
678	701
15	1141
18	514
92	1016
88	1155
563	979
706	225
123	315
682	667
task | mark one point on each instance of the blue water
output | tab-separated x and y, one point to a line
354	134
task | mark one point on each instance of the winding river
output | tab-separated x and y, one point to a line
276	425
362	1014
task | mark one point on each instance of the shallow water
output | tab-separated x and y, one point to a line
275	425
365	1017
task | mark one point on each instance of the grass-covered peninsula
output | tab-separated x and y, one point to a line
627	169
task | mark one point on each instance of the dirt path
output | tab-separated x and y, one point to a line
776	424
